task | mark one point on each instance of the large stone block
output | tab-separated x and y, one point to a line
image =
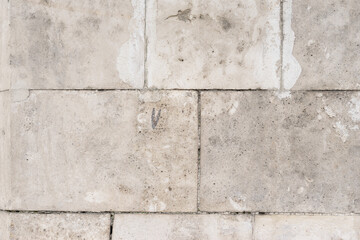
101	151
77	44
307	227
4	148
176	227
4	40
321	44
54	226
263	152
213	44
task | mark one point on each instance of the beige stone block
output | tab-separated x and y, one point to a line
307	227
77	44
213	44
54	226
4	226
4	148
4	40
271	152
102	151
176	227
321	44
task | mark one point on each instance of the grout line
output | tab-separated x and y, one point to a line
112	216
189	90
183	213
145	47
281	44
199	151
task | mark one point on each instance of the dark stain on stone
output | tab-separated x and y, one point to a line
241	46
225	24
155	120
182	15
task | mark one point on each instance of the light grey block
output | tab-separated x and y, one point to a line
77	44
267	152
54	226
307	227
176	227
102	151
321	44
213	44
4	148
4	40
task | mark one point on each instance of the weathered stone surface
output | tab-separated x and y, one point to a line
213	44
110	150
176	227
325	42
296	154
4	226
4	148
307	227
77	44
54	226
4	40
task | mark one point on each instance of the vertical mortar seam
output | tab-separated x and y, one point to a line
112	216
281	43
199	151
145	47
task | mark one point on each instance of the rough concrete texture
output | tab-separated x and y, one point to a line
176	227
307	227
102	151
262	152
326	44
213	44
17	226
77	44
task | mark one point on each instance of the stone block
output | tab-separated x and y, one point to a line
4	148
213	44
77	44
102	151
321	44
4	40
54	226
268	152
176	227
307	227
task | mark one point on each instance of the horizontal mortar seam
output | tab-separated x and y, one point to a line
184	213
189	90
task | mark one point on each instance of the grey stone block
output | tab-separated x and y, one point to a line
54	226
261	151
321	44
307	227
4	40
4	148
102	151
176	227
77	44
213	44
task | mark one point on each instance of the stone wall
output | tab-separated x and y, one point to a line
169	119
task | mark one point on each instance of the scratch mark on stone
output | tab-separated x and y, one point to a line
182	15
154	121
